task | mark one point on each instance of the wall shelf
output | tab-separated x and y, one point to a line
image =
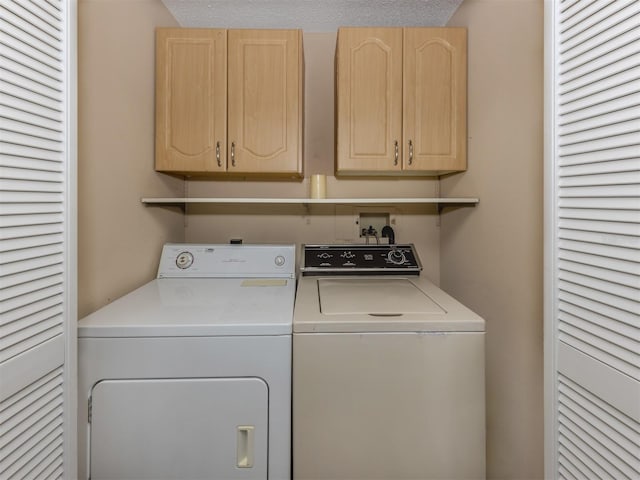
442	202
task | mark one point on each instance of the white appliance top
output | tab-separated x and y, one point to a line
374	296
206	290
365	290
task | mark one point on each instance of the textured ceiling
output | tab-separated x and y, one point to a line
311	15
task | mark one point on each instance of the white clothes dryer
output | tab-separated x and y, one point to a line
388	370
189	376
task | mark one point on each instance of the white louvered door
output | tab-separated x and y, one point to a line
592	239
37	239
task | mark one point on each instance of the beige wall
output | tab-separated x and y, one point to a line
119	238
491	256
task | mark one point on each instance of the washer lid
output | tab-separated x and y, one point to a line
188	307
375	296
363	304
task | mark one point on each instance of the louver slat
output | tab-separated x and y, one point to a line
615	228
612	166
32	219
30	209
600	250
619	215
602	156
27	243
625	138
602	132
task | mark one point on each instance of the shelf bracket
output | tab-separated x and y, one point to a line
182	205
442	206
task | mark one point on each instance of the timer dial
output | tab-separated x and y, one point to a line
397	257
184	260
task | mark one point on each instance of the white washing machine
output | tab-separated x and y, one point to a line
388	370
189	376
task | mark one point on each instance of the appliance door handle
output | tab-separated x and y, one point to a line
244	449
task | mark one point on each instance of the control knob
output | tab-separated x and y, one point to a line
184	260
397	257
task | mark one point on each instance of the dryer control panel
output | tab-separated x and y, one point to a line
188	260
360	259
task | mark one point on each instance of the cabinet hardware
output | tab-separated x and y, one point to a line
233	154
395	158
410	152
218	154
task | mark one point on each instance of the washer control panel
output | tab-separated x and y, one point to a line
360	259
210	260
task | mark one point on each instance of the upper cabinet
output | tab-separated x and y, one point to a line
229	101
401	101
191	100
265	101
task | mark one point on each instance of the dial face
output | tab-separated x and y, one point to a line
184	260
397	257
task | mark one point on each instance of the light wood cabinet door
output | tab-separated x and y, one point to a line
401	101
369	100
435	99
265	101
191	100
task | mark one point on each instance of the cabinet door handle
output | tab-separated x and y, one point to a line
395	158
233	154
410	152
218	154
